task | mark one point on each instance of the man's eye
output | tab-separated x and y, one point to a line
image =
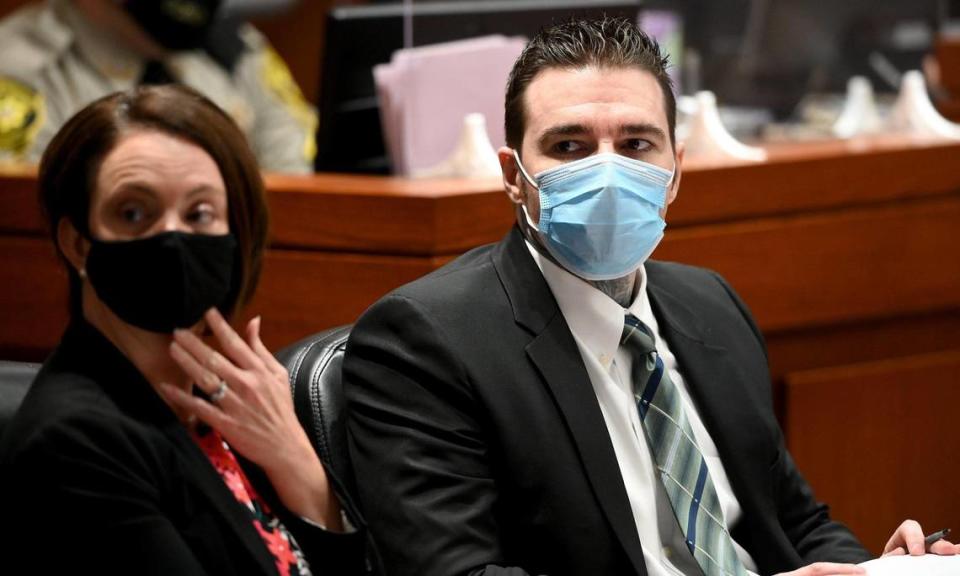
568	146
637	144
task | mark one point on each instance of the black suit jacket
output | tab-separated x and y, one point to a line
474	424
97	476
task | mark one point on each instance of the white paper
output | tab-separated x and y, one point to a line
926	565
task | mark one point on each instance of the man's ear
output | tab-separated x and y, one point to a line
678	172
512	184
73	245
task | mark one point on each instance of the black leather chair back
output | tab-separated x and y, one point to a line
15	380
314	364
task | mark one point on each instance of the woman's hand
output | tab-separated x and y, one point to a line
254	413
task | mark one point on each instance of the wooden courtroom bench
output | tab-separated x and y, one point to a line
847	253
880	438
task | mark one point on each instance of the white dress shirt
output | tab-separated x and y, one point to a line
596	322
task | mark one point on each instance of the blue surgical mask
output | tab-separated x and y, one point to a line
600	216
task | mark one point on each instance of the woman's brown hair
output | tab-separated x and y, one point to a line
71	163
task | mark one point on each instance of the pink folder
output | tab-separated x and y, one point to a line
426	92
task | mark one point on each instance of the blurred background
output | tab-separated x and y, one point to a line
779	62
776	66
779	68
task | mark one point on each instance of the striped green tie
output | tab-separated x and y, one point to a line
682	467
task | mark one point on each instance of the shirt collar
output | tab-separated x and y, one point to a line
593	317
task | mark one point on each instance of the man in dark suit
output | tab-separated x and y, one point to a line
556	404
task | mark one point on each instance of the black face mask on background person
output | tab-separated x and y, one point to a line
175	24
165	281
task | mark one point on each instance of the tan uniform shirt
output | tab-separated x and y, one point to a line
53	62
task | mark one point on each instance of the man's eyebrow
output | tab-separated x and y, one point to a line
563	130
642	129
634	129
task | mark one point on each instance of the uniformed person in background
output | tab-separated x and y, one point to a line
59	56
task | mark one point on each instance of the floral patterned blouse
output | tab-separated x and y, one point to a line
281	544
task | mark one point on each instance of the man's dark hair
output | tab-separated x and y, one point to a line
603	43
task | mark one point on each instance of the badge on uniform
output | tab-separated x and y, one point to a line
276	76
22	112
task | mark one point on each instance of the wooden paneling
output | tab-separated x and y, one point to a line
948	58
305	292
21	204
950	109
387	215
878	441
822	269
816	176
33	298
862	341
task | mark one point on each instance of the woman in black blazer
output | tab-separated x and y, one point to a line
156	440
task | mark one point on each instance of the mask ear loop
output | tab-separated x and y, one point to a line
671	182
523	171
530	230
527	221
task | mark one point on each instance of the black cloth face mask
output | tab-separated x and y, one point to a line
165	281
175	24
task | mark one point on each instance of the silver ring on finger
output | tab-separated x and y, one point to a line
220	392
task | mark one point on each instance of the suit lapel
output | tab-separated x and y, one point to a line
719	393
705	366
558	359
556	356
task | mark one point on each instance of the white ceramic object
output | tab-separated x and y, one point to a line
914	113
860	115
474	156
707	137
